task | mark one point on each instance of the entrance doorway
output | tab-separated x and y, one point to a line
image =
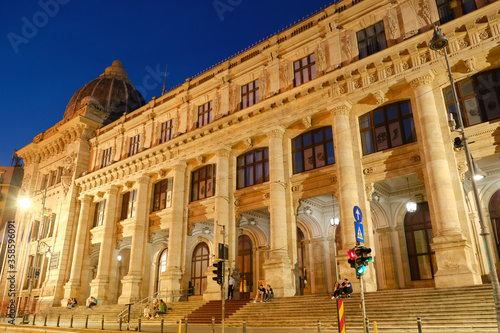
162	267
418	231
301	261
245	264
494	210
200	262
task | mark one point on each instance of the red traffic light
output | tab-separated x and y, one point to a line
351	254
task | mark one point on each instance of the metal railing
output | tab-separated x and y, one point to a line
135	310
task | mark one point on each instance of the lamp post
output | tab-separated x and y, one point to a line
439	42
33	271
334	222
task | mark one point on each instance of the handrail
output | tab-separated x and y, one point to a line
171	295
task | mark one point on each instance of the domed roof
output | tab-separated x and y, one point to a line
112	90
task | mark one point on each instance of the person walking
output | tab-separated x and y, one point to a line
230	288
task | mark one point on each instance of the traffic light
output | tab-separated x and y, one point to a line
219	272
363	257
352	258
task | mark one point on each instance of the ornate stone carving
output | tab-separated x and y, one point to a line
393	25
333	180
180	167
425	80
389	71
321	58
285	73
373	78
410	34
237	202
348	46
426	11
277	133
368	171
295	188
424	57
484	35
470	64
462	169
307	122
224	152
415	159
379	97
129	184
341	110
200	159
263	83
463	43
216	105
369	189
267	195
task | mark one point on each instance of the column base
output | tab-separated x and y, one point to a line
99	289
131	289
212	293
71	290
171	282
279	274
453	260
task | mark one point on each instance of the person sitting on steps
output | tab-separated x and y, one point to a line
269	293
260	294
346	288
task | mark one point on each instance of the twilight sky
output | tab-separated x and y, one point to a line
51	48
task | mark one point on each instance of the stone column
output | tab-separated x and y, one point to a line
453	250
278	268
131	284
99	287
72	287
221	217
171	278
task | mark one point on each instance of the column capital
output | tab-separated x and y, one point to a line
112	190
343	109
224	151
144	179
86	199
180	167
424	80
277	133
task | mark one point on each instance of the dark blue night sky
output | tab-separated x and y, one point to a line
51	48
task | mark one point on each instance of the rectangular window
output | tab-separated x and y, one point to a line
106	157
128	204
313	149
371	40
134	144
59	174
450	9
45	182
304	70
166	131
203	183
53	177
250	94
387	127
100	207
163	194
253	168
204	114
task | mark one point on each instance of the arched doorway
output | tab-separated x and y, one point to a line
301	258
418	231
245	264
162	267
494	209
200	262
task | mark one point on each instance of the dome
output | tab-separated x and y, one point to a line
111	91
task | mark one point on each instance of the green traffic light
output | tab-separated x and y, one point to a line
360	270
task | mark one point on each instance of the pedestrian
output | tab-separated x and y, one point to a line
230	288
269	293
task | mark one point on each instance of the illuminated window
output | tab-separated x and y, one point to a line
203	183
250	94
100	207
313	149
371	40
253	167
304	70
163	194
106	157
134	144
128	204
166	131
204	114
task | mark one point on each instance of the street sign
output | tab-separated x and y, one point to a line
360	236
358	216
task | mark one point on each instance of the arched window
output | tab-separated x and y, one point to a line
478	97
313	149
162	267
494	210
253	168
245	264
203	182
418	231
387	127
200	262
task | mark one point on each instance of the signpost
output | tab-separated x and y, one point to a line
360	237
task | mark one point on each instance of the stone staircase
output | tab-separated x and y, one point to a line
468	309
213	309
178	311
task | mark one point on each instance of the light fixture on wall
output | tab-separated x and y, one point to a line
335	220
478	173
308	210
206	230
411	206
375	197
119	258
252	221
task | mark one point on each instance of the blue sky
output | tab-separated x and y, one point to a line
51	48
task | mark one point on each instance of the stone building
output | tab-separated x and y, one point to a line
346	108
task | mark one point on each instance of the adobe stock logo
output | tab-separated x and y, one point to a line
29	29
222	6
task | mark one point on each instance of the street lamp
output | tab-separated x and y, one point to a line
439	42
334	222
33	272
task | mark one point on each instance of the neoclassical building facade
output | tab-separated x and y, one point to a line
349	107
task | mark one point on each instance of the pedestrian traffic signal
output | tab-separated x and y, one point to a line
219	272
352	258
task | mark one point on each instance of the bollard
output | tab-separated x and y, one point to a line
161	331
139	324
244	326
319	326
367	325
121	319
102	323
71	322
186	324
58	319
419	325
34	318
213	324
180	325
45	321
87	322
375	328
